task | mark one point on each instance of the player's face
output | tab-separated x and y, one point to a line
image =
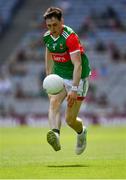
55	26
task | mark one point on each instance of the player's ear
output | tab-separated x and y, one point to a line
62	21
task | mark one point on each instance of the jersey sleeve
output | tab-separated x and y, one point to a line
73	44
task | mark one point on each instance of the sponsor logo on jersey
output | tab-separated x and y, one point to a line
61	57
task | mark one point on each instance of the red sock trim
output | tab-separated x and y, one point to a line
80	98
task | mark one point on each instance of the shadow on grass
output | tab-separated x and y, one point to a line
68	165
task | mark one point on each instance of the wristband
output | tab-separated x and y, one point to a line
74	88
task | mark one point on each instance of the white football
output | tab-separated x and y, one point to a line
53	84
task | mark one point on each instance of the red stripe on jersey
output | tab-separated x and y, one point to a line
73	43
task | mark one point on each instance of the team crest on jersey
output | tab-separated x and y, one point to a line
61	46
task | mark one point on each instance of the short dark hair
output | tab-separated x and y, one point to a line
53	12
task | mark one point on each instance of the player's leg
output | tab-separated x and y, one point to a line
55	102
55	119
72	112
73	121
71	117
77	124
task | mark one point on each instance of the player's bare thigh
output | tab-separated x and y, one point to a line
56	100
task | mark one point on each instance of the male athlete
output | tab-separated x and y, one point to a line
65	57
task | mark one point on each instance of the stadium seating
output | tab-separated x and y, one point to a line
7	11
110	81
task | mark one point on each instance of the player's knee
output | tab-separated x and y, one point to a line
54	104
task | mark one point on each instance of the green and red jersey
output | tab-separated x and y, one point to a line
61	48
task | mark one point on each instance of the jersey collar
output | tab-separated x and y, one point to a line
54	39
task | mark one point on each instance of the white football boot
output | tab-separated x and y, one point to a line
81	141
53	140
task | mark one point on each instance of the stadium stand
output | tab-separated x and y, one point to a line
102	28
7	11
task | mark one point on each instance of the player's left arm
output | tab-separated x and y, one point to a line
76	60
72	95
75	48
73	45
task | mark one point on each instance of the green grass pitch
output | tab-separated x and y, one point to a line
24	153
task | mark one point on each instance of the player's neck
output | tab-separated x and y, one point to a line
60	32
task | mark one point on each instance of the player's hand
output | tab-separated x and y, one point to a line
71	98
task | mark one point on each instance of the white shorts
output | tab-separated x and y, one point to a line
82	88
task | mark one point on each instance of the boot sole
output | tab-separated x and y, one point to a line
52	140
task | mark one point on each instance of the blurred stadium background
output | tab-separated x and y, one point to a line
102	28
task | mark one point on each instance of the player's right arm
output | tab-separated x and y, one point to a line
48	62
